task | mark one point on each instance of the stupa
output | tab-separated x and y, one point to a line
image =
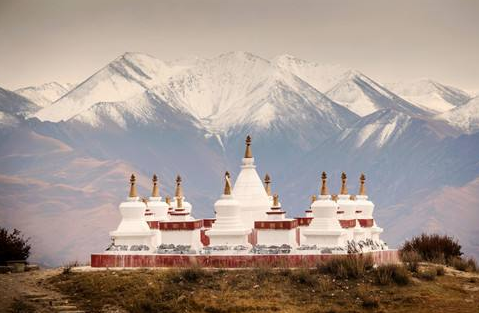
249	226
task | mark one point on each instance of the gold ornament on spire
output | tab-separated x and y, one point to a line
275	200
313	198
267	186
178	190
227	190
248	153
324	187
156	191
133	193
344	188
179	202
168	200
362	187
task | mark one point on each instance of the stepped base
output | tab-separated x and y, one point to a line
228	261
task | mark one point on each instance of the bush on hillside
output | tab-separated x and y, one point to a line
433	248
13	246
351	266
387	274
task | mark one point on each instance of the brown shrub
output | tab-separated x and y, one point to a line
433	247
387	274
440	271
411	259
428	274
350	266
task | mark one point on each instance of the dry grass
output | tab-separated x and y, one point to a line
268	290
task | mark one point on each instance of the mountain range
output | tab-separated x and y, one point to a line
66	151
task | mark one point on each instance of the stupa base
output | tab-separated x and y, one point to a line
229	261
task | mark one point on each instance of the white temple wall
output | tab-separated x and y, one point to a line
182	237
277	237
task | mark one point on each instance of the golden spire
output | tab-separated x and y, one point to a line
133	193
179	202
156	192
247	153
227	190
362	187
324	187
275	200
168	200
313	198
267	182
344	188
178	190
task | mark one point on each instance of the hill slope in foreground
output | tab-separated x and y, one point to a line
257	290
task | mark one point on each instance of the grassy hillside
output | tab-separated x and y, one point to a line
333	289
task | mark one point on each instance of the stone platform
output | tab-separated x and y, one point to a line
229	261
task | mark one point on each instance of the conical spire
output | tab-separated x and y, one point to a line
267	186
324	187
313	198
248	153
178	190
179	202
133	193
227	190
275	200
362	187
168	200
156	191
344	188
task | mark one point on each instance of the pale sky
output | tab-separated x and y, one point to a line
67	40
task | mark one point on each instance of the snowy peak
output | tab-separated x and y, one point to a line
465	117
45	94
321	76
14	104
430	95
125	77
363	96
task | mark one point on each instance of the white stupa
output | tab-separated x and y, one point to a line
359	233
249	191
133	232
228	228
346	209
181	229
277	230
158	209
324	231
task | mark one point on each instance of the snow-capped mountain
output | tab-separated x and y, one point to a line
14	104
363	96
465	117
125	77
430	95
45	94
321	76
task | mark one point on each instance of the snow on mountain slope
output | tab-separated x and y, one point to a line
240	89
430	95
321	76
14	104
45	94
363	96
465	117
125	77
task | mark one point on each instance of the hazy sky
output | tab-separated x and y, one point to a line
67	41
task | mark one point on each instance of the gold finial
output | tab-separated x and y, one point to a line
324	187
362	187
344	188
179	202
156	191
267	182
133	193
352	197
179	190
247	153
275	200
227	190
168	200
334	197
313	198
